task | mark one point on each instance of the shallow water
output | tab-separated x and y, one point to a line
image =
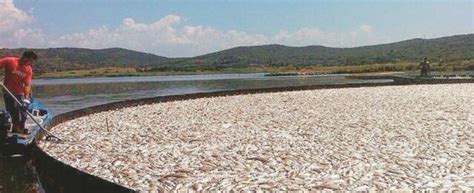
63	95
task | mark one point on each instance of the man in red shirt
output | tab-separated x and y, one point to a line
18	75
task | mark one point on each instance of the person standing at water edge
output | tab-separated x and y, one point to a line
18	75
425	68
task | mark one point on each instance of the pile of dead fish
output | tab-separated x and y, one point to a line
416	137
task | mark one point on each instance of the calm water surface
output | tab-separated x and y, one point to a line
62	95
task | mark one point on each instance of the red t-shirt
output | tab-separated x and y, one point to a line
16	76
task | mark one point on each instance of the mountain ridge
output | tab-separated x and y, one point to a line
449	48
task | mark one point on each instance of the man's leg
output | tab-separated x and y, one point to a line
22	120
9	106
14	110
425	72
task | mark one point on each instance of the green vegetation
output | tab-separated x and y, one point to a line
452	53
447	49
110	71
368	68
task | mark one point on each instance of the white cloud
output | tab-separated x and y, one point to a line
162	37
169	36
310	36
10	16
366	28
363	35
15	29
166	37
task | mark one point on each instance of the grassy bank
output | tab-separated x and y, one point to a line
346	69
101	72
370	68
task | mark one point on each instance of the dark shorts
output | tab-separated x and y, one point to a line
18	115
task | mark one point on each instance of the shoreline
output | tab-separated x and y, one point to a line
267	73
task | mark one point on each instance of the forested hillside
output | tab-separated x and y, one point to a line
452	48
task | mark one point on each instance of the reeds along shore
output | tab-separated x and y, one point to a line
416	137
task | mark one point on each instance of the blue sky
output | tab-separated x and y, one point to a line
189	28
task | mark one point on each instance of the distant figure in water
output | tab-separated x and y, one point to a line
425	68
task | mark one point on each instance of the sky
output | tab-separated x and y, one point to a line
186	28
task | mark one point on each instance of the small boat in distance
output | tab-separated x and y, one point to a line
16	143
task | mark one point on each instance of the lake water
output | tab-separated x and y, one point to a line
62	95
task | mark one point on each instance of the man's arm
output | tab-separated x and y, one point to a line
27	83
27	91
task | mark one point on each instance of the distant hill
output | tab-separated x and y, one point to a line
60	59
452	48
459	47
